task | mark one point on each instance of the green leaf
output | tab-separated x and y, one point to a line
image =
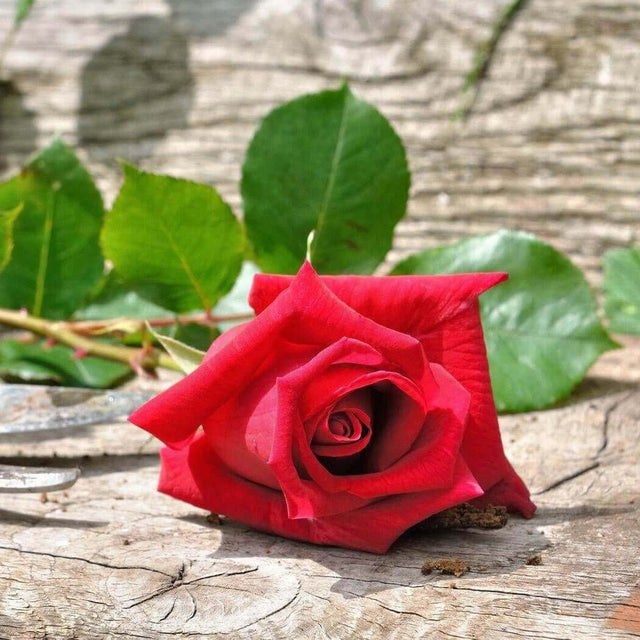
329	162
112	299
29	372
7	220
622	289
56	259
541	326
188	358
23	8
174	242
193	335
35	363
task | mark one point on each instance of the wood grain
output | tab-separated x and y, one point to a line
111	558
179	87
551	146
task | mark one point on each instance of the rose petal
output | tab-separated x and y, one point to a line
242	430
404	303
510	492
291	443
403	423
323	318
459	346
304	498
174	415
195	475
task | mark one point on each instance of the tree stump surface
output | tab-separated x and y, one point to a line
111	557
551	146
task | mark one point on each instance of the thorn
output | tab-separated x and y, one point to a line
79	353
49	343
137	362
136	365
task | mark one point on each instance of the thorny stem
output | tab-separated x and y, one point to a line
88	327
147	359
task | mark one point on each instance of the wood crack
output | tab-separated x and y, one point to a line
85	560
605	426
178	581
536	595
568	478
268	615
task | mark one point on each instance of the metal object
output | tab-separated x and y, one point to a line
14	479
29	408
29	412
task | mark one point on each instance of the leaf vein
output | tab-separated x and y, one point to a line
185	265
333	171
44	254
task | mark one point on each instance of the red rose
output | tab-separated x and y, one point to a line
348	410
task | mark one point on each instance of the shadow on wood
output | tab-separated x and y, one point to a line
136	87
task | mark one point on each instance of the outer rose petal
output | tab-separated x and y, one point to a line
198	477
410	304
511	492
458	345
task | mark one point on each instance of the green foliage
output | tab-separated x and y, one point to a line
174	242
188	358
7	220
541	326
329	162
56	256
35	363
622	288
197	336
112	299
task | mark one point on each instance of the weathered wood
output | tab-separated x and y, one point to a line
179	86
111	558
551	146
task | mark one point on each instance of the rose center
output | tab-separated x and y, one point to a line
345	429
345	426
342	427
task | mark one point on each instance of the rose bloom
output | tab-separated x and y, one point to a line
348	410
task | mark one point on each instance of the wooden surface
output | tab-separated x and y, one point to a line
179	86
110	558
552	146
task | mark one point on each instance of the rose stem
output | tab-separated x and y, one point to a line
206	319
145	358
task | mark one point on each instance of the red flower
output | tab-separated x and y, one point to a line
348	410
